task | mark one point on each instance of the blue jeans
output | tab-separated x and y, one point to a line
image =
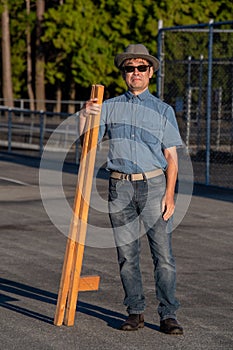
131	203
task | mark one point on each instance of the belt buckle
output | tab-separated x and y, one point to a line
128	177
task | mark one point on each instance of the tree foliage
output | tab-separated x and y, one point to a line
81	37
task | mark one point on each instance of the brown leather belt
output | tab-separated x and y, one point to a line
136	177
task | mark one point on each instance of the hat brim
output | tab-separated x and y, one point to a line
121	57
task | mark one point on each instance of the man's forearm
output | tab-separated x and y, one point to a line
82	122
171	177
168	204
172	169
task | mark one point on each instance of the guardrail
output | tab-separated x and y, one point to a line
33	130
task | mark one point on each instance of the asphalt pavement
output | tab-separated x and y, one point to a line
32	251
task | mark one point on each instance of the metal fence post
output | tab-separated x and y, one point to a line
9	129
21	107
199	114
77	141
219	115
231	142
160	71
208	112
189	103
41	132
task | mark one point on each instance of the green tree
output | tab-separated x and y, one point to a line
39	57
81	37
18	20
68	35
84	36
6	56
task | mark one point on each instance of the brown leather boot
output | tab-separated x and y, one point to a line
133	322
171	326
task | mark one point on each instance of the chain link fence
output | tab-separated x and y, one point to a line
197	80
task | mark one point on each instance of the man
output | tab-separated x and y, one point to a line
142	162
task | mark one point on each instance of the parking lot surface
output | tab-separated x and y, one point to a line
32	251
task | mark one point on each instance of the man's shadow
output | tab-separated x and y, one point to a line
113	319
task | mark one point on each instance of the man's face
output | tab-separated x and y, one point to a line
136	81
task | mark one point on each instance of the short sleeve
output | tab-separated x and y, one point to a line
171	135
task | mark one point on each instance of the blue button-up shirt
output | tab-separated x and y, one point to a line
139	128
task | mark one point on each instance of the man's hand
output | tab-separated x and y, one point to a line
90	107
168	207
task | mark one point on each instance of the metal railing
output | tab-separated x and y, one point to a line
31	133
50	105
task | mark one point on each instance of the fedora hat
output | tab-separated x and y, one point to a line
136	51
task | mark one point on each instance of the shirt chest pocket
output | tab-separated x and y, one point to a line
117	131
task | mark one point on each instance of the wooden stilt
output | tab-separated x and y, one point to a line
71	282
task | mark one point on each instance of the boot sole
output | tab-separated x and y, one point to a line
130	328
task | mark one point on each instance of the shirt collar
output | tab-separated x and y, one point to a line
143	96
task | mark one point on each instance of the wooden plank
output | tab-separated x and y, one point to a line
83	212
64	283
87	283
69	253
70	279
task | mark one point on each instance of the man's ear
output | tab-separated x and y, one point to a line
151	72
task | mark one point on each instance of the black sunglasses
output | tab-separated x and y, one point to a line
131	69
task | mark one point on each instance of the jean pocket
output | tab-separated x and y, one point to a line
157	180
